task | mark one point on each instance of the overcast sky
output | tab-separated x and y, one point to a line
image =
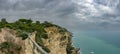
76	15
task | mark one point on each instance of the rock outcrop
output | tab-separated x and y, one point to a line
57	42
9	43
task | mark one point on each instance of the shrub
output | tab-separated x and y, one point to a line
10	47
69	49
63	38
5	45
23	35
18	48
46	49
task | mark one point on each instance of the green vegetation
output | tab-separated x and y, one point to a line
63	38
5	45
25	26
69	49
10	48
23	35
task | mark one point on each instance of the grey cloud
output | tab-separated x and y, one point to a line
52	10
36	6
22	5
62	12
4	5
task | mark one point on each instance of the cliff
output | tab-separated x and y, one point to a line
45	38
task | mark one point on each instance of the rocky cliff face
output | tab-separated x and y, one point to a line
9	43
57	42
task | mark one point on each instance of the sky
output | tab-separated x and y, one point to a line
75	15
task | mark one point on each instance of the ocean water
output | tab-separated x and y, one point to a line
97	42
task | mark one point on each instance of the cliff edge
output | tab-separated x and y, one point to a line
26	37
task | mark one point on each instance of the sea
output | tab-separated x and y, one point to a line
97	42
